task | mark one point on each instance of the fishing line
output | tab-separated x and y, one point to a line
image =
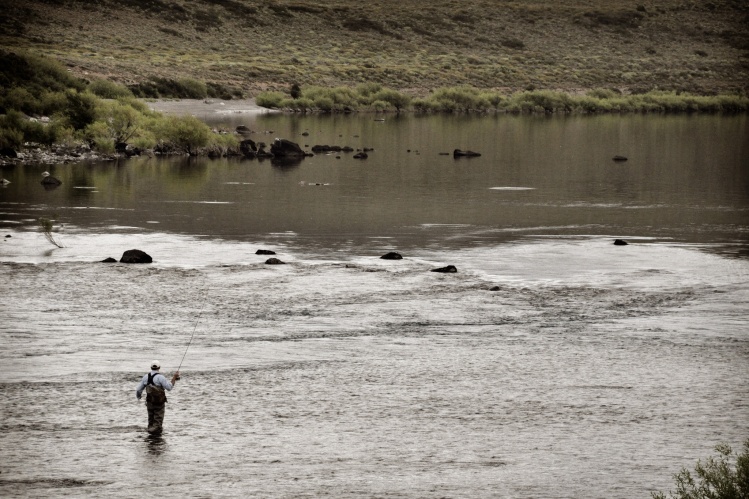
192	336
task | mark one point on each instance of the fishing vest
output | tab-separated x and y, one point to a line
155	395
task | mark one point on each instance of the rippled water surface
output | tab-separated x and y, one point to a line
552	364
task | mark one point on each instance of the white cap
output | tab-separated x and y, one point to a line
155	364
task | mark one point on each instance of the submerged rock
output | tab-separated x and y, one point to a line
450	269
620	242
265	252
51	181
109	260
392	256
135	256
274	261
619	158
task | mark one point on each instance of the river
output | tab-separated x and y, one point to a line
553	363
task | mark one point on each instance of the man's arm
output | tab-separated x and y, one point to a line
141	386
165	383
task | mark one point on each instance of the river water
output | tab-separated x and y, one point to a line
552	364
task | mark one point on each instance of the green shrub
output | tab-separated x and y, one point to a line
108	89
368	89
271	100
10	137
380	106
53	102
20	99
187	133
717	478
158	87
494	99
603	93
81	109
192	89
395	99
461	98
35	73
546	101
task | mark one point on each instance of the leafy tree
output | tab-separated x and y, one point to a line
716	478
396	99
117	121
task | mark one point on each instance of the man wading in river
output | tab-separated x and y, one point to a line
155	383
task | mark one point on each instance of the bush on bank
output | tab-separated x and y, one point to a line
716	478
465	99
41	103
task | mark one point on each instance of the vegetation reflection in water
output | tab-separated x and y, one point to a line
683	179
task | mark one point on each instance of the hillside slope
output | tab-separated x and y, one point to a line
631	45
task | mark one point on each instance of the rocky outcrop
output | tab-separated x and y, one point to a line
248	148
135	256
282	148
457	153
392	256
450	269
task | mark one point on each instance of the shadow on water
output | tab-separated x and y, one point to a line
156	444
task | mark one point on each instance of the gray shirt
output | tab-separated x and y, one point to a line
158	380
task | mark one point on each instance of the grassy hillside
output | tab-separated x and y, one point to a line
700	46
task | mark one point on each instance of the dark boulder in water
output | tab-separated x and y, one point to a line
361	155
457	153
620	242
282	148
450	269
248	148
392	256
135	256
274	261
265	252
619	158
51	181
109	260
495	288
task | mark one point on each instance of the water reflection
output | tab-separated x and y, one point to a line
156	445
686	179
284	163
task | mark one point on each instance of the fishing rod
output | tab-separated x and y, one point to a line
192	336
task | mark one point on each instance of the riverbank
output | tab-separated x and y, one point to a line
250	47
198	107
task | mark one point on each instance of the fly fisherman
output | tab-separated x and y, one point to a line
155	383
